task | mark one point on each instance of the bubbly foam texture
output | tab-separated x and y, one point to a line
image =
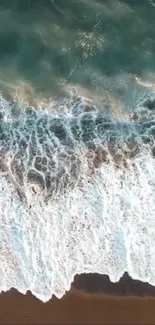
103	222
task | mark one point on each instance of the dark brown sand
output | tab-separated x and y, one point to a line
78	307
97	283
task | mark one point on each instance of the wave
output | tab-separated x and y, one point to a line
77	193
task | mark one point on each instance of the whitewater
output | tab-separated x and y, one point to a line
77	194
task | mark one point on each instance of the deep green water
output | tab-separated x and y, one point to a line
48	43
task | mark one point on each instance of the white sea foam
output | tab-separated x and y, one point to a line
105	225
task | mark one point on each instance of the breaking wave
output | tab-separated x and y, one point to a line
77	194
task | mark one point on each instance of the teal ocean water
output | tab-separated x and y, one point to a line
77	130
46	44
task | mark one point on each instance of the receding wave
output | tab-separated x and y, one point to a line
77	194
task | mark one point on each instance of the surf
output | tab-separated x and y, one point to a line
76	195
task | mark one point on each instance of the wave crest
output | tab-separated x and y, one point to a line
103	223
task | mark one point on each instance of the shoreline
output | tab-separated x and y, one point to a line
79	306
125	287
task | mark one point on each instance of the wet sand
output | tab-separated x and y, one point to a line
79	306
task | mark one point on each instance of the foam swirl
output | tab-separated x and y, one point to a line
84	199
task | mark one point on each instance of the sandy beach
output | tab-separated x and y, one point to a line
78	306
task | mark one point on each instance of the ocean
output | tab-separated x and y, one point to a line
77	130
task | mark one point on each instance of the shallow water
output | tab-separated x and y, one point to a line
64	59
